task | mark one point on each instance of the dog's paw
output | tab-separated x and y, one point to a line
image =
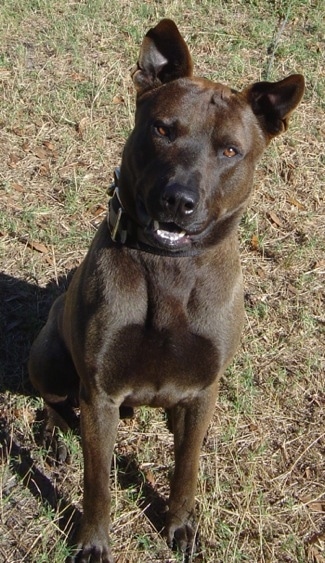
91	552
91	544
181	535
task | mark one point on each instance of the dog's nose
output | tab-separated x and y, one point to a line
178	200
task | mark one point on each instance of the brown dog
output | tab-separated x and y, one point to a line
154	313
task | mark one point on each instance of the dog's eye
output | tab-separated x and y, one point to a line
229	152
162	130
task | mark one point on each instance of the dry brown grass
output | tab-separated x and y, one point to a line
66	108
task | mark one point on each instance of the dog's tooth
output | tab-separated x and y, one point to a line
170	235
155	225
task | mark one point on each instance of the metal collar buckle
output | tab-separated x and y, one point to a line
115	211
115	228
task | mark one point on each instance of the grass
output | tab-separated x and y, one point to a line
66	109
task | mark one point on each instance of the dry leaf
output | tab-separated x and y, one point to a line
315	537
255	242
17	187
19	132
12	202
118	100
275	219
4	73
296	203
67	169
318	264
44	169
13	160
308	473
49	145
313	505
97	210
82	126
316	506
48	259
314	556
40	153
23	414
34	245
150	478
26	146
292	289
37	246
77	76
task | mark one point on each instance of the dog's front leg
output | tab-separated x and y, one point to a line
189	425
99	421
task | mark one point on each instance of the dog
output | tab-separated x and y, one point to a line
154	313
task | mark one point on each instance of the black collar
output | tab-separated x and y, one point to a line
125	232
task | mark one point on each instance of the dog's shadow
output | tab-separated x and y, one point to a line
129	475
24	308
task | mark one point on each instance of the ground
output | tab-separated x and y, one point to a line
66	108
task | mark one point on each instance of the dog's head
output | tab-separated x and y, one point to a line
188	165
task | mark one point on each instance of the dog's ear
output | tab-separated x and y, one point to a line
273	102
164	56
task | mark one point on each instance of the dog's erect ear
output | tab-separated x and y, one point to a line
273	102
164	56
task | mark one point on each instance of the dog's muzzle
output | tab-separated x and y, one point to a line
161	238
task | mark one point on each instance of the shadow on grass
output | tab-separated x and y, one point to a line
24	308
152	504
40	486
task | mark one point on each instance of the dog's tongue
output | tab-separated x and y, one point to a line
168	231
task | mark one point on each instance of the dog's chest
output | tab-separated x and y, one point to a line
166	331
163	353
161	367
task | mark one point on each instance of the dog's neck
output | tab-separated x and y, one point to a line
126	232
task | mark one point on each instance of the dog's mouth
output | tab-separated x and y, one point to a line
167	235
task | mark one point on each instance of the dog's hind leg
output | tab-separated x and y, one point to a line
53	375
